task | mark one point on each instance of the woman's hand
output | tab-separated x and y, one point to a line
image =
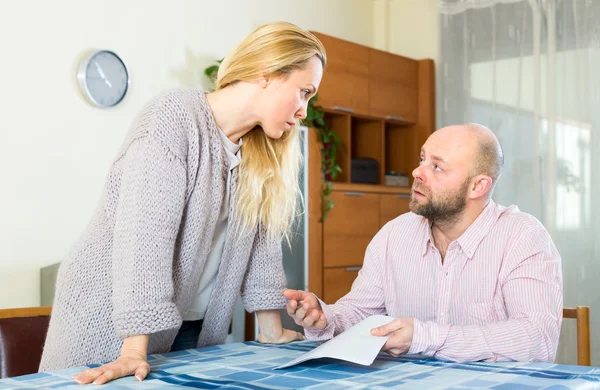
271	331
131	362
286	336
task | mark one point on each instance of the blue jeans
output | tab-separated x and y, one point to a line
187	337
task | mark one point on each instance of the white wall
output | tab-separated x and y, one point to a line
407	27
55	149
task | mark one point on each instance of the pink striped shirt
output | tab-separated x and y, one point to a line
496	297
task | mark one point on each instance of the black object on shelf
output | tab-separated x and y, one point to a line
364	170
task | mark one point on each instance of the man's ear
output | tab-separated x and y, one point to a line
482	185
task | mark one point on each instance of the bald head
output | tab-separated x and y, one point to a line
489	158
482	145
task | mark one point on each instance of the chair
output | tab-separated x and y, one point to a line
22	336
582	315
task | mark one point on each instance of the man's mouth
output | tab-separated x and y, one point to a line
418	193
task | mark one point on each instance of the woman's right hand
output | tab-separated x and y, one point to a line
131	362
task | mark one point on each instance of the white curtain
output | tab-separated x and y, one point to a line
529	70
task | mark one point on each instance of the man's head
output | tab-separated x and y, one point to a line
458	169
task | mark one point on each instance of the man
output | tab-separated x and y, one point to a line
465	278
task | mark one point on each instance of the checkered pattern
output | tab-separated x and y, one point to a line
251	366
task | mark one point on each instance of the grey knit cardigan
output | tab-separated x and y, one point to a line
137	266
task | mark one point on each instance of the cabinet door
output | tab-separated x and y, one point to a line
337	282
392	206
349	227
393	83
345	83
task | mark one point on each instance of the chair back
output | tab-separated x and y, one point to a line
22	336
582	315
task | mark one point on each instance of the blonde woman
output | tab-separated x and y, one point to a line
193	213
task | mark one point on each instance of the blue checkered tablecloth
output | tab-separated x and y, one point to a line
251	366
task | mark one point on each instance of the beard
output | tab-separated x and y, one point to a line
446	207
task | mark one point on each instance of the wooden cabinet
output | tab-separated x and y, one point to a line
345	83
392	86
381	106
351	225
367	81
392	206
349	228
338	282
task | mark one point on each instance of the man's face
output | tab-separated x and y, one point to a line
442	179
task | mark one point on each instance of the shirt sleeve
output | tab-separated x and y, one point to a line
365	299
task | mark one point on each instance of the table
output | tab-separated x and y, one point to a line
251	366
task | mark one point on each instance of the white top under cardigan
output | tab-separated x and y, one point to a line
211	267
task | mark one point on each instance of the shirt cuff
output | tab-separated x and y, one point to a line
428	338
326	333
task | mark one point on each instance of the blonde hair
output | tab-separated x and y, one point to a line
268	190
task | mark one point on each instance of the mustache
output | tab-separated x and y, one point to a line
420	189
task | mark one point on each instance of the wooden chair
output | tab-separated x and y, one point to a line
582	315
22	336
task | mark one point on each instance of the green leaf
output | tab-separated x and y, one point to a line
211	70
336	138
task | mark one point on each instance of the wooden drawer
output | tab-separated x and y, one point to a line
349	227
345	82
391	206
337	282
392	85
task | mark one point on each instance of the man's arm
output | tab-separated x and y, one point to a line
366	298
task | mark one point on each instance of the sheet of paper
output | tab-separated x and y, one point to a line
356	345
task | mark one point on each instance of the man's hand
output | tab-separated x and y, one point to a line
305	309
402	333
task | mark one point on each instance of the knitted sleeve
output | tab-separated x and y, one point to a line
147	219
265	278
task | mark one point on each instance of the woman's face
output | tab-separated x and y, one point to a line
286	98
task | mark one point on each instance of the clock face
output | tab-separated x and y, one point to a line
105	78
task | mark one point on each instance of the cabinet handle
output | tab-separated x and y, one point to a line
403	196
352	269
339	108
395	118
354	193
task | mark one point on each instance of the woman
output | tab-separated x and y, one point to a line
193	212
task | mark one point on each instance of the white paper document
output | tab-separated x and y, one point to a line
356	345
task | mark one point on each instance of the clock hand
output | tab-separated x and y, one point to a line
101	73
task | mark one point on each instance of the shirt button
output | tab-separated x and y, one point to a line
446	273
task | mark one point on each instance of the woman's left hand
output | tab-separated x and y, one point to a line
284	337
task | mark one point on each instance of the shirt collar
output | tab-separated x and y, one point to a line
472	237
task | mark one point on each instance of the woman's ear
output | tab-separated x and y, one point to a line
264	81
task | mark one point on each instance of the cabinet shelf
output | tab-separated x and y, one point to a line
371	188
